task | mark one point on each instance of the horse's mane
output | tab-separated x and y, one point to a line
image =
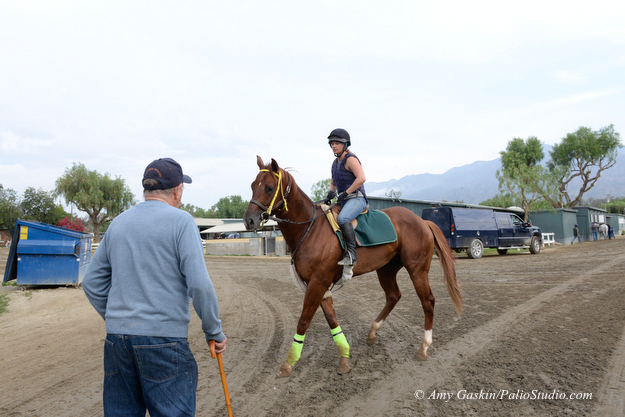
288	170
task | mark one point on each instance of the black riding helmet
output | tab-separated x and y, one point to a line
340	135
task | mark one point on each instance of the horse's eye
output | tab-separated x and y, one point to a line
268	189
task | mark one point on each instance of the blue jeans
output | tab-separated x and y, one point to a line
351	209
154	373
595	235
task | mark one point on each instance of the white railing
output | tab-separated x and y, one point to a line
549	239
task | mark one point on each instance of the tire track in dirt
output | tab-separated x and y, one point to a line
612	393
439	368
319	355
556	321
61	397
42	380
318	350
258	331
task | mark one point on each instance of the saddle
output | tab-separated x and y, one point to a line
372	227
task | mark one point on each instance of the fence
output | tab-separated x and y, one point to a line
549	239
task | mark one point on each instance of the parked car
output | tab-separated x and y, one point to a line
473	229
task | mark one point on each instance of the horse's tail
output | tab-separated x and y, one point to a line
447	259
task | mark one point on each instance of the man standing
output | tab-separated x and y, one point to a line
576	235
140	280
595	231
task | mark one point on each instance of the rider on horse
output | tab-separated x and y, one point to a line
348	180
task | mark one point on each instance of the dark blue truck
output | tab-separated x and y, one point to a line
472	230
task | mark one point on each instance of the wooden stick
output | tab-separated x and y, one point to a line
214	355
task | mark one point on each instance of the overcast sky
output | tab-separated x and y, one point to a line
421	86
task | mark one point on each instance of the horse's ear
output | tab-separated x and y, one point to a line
274	166
260	162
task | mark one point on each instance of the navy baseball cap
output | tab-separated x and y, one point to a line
167	172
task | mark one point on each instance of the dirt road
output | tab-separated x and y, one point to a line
540	335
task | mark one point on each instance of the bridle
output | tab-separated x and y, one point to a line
267	210
266	214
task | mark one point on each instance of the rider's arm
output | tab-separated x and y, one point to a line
332	185
353	165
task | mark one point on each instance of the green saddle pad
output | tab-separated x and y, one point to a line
374	228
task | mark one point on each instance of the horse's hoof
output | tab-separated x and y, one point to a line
344	367
372	336
421	356
285	370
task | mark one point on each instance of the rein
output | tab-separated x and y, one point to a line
266	214
310	223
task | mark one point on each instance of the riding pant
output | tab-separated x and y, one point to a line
351	209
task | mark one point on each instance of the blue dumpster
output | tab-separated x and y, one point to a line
42	254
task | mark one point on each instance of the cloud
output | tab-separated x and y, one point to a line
421	87
568	77
576	99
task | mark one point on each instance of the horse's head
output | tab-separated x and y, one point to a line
269	193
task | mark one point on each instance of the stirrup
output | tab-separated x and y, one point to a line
348	273
347	260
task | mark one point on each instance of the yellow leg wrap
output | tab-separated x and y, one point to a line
296	349
341	342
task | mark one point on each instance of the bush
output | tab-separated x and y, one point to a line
75	225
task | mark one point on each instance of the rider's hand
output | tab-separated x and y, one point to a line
329	197
342	196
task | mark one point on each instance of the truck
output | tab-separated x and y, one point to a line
473	229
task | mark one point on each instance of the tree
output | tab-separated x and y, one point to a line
232	207
100	196
615	206
39	205
502	200
583	154
522	153
197	211
320	189
9	209
521	177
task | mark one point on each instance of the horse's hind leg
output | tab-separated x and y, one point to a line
419	277
337	333
387	276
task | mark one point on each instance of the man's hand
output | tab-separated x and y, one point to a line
220	347
342	196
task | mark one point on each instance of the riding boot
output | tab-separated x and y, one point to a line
349	236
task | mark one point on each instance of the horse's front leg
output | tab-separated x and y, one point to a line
337	333
312	299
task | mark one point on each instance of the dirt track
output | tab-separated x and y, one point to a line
549	325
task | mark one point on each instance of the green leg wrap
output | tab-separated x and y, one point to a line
296	349
341	342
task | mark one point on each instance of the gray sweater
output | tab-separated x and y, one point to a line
145	271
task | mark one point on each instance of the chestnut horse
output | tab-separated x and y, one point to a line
315	251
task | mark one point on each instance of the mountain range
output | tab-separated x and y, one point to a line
477	182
